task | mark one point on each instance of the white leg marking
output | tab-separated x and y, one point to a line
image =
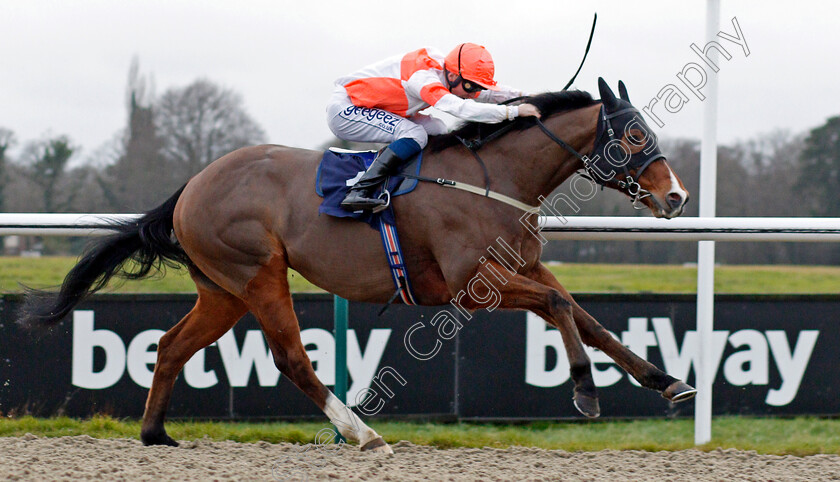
347	422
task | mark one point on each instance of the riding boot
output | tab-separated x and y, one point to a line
361	197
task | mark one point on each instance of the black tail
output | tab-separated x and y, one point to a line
147	242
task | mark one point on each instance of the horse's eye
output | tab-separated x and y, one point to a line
635	138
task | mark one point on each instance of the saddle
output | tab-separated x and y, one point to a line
340	169
337	173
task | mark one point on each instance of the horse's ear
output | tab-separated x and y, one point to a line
622	91
607	96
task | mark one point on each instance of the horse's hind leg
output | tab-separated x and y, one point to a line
520	292
594	334
215	312
269	299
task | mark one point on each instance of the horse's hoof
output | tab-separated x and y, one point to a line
679	392
377	445
157	438
587	405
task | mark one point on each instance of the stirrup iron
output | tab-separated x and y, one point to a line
387	195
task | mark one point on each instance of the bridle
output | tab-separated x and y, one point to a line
629	185
605	135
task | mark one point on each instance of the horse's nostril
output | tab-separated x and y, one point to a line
674	200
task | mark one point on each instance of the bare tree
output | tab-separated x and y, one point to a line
202	122
46	163
819	169
7	140
22	195
140	176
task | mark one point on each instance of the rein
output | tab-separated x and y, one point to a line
629	185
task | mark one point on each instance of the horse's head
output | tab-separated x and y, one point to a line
626	157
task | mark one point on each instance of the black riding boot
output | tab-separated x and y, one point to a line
360	197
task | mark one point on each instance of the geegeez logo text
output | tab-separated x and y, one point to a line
375	117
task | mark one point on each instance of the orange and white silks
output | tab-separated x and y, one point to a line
405	85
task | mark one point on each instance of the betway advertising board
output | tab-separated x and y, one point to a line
771	355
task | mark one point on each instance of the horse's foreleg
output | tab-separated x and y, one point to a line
269	299
215	312
520	292
594	334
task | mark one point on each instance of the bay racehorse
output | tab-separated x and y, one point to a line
245	220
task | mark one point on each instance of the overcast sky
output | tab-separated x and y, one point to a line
65	63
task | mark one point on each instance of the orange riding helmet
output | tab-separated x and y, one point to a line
473	63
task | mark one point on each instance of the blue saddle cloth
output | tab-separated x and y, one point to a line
337	172
340	169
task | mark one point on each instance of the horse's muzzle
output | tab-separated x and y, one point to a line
675	205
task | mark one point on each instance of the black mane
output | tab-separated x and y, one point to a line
548	104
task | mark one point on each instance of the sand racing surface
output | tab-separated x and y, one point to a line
82	457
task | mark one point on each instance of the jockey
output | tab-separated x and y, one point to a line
381	103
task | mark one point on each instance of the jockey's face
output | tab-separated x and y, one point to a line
459	89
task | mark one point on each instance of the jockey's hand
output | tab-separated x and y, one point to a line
528	110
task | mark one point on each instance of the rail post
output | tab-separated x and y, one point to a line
340	323
706	249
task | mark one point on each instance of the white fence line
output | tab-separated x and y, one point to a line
570	228
50	224
556	228
612	228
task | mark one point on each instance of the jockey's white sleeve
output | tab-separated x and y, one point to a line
498	96
432	125
470	110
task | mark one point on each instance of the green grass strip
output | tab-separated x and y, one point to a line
790	436
610	278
